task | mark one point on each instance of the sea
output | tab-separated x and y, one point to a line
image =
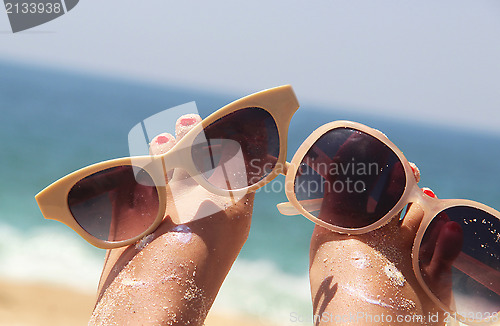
55	121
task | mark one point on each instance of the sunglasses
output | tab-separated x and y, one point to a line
346	177
236	150
352	179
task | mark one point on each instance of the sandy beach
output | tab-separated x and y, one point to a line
42	304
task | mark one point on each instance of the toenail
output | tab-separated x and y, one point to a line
162	140
429	192
187	121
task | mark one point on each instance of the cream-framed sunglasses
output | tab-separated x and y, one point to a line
352	179
235	150
346	177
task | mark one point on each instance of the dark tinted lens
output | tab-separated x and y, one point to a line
349	179
238	150
459	260
115	204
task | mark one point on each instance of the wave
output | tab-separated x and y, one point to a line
261	289
54	255
48	255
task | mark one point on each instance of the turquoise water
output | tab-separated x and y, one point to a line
54	122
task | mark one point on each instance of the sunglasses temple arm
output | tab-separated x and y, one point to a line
310	205
479	271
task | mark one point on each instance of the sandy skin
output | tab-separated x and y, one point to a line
368	279
172	276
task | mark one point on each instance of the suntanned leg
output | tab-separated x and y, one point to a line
172	276
368	279
369	275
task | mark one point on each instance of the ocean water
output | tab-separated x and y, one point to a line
54	122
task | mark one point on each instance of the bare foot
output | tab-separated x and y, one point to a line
368	279
172	276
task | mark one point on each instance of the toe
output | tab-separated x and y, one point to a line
185	123
416	171
161	144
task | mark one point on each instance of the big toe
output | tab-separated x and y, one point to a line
185	123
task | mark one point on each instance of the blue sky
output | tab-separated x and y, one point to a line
429	60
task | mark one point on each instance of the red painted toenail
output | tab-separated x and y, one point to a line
187	121
162	140
429	193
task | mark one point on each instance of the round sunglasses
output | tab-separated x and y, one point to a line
352	179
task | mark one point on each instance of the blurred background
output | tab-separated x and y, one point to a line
426	73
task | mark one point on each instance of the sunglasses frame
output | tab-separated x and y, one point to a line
411	194
280	102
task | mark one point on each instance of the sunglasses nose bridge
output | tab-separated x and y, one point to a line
419	197
175	158
286	167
